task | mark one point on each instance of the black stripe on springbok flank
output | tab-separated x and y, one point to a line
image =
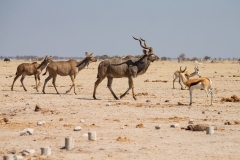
194	83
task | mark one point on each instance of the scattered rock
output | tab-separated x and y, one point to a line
61	119
198	127
140	126
28	151
108	104
232	123
180	103
77	128
174	125
27	131
157	127
5	120
147	80
191	121
82	120
148	100
37	108
41	123
167	101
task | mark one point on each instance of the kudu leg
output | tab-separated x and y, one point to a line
131	86
99	80
54	83
109	85
46	80
39	83
36	79
73	84
18	75
23	77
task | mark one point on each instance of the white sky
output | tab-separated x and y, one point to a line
69	28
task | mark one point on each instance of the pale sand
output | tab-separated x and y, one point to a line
63	112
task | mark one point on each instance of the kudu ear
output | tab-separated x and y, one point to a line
145	51
91	54
86	54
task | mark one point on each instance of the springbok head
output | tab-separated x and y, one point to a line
148	51
197	70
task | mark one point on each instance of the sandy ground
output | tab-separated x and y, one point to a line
115	121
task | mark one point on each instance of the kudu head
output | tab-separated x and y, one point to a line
148	51
89	58
47	59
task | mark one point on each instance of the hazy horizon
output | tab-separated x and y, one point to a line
71	28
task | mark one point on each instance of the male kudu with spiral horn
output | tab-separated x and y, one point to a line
128	67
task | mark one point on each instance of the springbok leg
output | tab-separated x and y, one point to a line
190	91
174	79
109	85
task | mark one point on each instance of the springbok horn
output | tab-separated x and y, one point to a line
183	70
141	43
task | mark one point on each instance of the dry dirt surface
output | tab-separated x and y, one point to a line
125	128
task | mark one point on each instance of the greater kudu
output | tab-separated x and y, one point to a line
128	67
66	68
31	69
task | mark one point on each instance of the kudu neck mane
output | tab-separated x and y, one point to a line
42	65
82	64
142	67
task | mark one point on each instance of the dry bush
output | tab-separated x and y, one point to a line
233	98
125	139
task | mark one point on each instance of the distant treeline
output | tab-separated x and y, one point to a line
181	57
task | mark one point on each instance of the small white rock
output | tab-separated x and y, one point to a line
41	123
175	125
77	128
27	131
82	120
28	151
122	127
157	126
191	121
108	104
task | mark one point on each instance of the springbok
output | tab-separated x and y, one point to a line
128	67
188	74
196	83
67	68
31	69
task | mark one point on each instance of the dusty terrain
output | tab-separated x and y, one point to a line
115	122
